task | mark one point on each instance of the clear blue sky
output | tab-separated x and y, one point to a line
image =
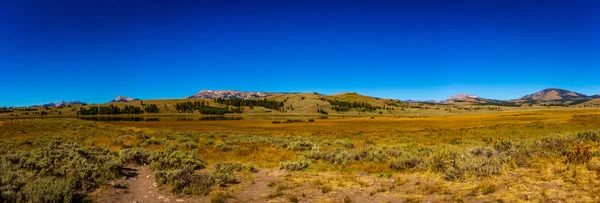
419	49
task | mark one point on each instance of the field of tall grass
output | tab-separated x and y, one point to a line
526	156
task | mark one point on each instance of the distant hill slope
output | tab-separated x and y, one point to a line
302	103
123	99
554	94
231	94
355	97
461	97
593	101
475	100
312	102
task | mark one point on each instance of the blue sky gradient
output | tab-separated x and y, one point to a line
96	50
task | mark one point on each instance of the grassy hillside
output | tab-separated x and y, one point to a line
312	104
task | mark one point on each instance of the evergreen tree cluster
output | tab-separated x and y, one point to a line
190	107
269	104
214	110
204	108
346	106
5	110
110	110
151	108
27	109
397	103
321	111
131	110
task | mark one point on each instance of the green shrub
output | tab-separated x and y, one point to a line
53	170
175	159
224	147
294	166
346	143
48	189
405	162
300	145
190	145
187	182
482	151
592	136
313	154
135	155
224	173
176	168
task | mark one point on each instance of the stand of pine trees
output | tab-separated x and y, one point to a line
269	104
151	108
346	106
109	110
190	107
5	110
204	108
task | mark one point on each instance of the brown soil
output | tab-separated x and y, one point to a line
138	185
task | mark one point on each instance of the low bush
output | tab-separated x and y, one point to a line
175	159
135	155
405	162
224	173
345	143
300	145
294	165
185	181
592	136
53	170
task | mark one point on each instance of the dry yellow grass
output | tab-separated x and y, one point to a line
264	144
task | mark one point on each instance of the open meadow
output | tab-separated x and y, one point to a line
535	154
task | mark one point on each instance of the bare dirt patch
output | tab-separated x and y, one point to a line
138	185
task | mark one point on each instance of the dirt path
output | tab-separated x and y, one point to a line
268	185
138	186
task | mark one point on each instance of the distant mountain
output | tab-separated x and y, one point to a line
231	94
62	103
461	97
123	99
468	98
554	94
456	97
423	101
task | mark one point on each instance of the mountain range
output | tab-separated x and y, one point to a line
545	96
551	96
61	103
231	94
123	99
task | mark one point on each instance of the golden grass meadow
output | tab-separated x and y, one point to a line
420	154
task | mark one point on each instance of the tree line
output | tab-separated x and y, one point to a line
204	108
151	108
190	107
114	110
346	106
269	104
5	110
